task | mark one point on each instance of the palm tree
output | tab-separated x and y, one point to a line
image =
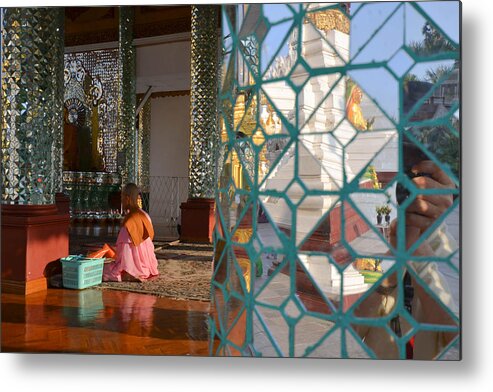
438	139
436	74
433	42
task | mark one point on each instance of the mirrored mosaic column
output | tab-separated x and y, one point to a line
198	212
58	113
32	110
144	146
143	152
31	104
127	98
203	100
62	198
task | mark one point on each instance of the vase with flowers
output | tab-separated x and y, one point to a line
386	211
380	213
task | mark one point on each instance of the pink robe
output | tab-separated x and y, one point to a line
139	261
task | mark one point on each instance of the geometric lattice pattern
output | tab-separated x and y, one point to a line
127	98
203	110
338	190
31	42
166	195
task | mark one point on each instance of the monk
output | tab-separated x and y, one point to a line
134	256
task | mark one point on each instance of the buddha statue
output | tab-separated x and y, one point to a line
70	144
353	109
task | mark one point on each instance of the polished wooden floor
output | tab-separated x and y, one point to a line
103	322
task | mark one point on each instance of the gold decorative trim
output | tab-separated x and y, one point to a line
329	20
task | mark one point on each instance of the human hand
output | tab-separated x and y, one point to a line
412	235
425	209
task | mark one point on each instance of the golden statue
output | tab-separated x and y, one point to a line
353	109
97	163
80	145
368	264
70	144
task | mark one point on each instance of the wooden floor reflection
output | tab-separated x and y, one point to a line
103	322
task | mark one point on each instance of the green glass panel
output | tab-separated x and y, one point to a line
337	201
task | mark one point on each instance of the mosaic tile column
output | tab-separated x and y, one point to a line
32	67
34	230
58	120
127	98
197	218
62	198
144	142
203	100
143	153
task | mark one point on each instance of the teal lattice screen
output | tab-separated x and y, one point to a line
338	181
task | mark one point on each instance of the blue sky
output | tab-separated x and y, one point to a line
403	25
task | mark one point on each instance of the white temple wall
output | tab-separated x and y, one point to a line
170	135
166	67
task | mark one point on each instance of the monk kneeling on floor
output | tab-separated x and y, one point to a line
135	259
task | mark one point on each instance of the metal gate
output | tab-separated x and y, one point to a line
164	199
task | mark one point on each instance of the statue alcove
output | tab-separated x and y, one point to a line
92	188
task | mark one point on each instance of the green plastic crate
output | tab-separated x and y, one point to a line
80	272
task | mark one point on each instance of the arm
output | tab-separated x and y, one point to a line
420	215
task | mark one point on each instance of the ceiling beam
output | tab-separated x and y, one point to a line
138	42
